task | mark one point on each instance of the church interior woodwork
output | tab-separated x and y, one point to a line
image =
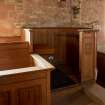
53	59
61	47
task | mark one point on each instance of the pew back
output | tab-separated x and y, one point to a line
15	55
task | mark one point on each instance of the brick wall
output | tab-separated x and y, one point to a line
15	14
94	10
8	19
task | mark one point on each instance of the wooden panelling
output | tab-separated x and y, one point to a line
11	39
87	55
43	36
30	92
46	36
60	43
43	49
31	88
28	88
33	93
8	79
74	49
72	53
60	48
101	68
5	98
15	55
54	41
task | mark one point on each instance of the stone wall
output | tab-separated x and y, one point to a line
93	12
15	14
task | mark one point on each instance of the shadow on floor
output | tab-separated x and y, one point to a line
60	79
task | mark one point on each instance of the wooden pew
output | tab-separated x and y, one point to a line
24	78
15	55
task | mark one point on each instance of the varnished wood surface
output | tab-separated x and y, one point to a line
87	53
15	55
25	92
11	39
60	43
23	86
40	65
46	36
43	49
73	48
101	68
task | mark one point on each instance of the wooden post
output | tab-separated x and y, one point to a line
29	38
87	63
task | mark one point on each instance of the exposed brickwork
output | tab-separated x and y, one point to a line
15	14
94	10
7	14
